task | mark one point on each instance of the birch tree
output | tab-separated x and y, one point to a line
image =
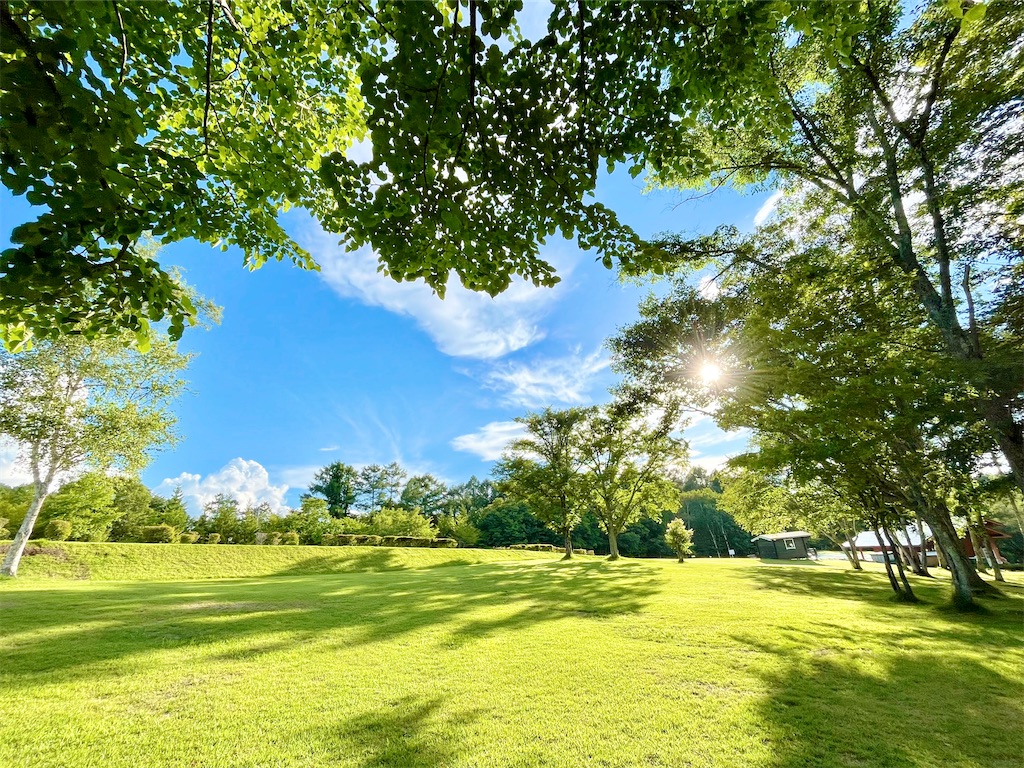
74	404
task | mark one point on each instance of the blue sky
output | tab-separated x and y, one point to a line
309	368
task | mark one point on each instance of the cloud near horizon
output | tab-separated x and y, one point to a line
245	480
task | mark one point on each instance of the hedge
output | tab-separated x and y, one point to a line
537	547
57	530
158	534
213	538
369	540
188	537
291	538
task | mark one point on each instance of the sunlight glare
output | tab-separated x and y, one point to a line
710	373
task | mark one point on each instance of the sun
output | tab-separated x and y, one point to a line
710	373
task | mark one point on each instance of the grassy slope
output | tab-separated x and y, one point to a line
198	561
636	663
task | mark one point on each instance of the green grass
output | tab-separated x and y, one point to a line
172	562
515	663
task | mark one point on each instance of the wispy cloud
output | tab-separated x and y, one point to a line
464	324
547	381
767	209
490	440
331	448
243	479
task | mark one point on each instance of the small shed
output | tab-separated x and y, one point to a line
788	545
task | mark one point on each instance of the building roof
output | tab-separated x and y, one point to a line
783	535
910	535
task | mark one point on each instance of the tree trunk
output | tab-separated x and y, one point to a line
568	546
966	581
17	548
909	595
613	544
980	565
1009	434
855	555
888	566
990	550
923	548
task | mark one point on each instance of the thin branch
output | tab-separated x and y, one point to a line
124	42
209	69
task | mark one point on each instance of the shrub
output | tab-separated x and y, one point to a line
272	539
328	540
679	538
389	541
291	538
444	543
188	537
372	541
158	534
213	538
58	530
393	521
344	539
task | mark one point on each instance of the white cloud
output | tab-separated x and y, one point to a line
767	209
243	479
543	382
464	324
331	448
490	440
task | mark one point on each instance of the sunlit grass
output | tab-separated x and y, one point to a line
588	663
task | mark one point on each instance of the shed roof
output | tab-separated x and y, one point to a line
783	535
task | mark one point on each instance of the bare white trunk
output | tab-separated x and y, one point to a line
17	548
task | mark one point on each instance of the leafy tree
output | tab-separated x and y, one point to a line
379	486
185	119
505	521
14	502
87	504
625	467
133	503
715	531
172	511
338	484
426	493
680	538
395	521
543	470
220	516
462	531
73	402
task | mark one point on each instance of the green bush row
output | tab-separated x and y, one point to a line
360	540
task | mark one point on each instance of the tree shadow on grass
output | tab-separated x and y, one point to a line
90	632
862	586
409	732
828	705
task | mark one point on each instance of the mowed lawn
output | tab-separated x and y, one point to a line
531	662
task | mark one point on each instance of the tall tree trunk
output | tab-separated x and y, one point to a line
613	544
855	555
1009	434
568	545
923	549
966	582
17	547
888	566
980	564
990	550
909	595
